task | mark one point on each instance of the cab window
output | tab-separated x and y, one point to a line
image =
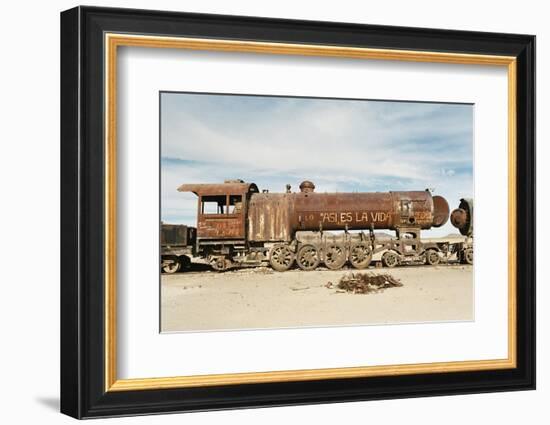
213	205
235	204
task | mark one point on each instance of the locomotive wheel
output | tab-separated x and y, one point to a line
220	264
469	256
360	255
185	262
432	257
172	267
308	257
281	257
390	259
335	256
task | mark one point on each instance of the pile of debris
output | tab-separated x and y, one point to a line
365	283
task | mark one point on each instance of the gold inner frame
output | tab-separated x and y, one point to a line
113	41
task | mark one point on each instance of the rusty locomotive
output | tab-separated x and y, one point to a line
239	226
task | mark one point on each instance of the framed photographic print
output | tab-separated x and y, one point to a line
261	212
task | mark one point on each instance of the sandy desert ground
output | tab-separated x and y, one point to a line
262	298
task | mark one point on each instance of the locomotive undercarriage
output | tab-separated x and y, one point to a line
333	251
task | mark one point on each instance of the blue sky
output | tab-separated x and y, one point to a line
341	145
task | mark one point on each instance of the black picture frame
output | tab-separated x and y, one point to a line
83	392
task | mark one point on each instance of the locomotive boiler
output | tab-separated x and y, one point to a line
237	225
277	217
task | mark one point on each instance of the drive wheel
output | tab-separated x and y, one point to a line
360	255
220	263
281	257
390	259
335	256
432	257
308	257
173	265
469	255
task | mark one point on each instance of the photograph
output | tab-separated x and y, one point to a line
293	212
277	209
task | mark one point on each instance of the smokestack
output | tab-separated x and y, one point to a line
307	186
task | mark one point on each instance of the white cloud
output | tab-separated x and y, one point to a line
340	145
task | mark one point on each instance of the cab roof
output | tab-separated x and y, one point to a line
229	188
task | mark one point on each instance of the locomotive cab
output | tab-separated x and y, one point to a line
221	214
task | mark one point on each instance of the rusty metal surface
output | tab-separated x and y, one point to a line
176	234
441	211
463	217
176	240
269	217
221	226
459	218
276	217
233	188
338	211
306	186
224	225
360	211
